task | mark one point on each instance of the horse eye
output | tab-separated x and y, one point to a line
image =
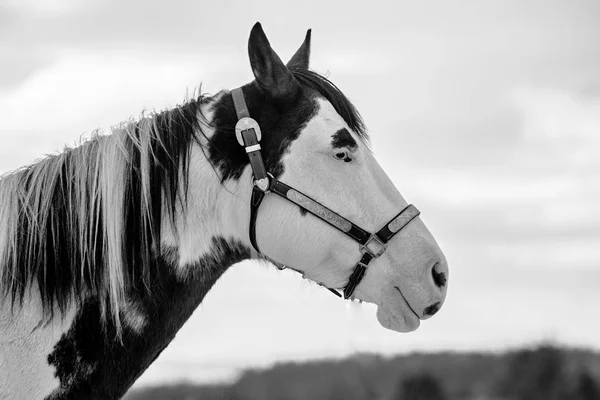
341	155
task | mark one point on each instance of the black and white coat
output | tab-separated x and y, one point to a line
108	248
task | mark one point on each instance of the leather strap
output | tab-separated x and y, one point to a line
239	102
397	223
320	211
255	201
357	274
252	146
251	142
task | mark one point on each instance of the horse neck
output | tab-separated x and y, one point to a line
208	235
79	355
214	210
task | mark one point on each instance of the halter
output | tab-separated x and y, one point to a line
372	245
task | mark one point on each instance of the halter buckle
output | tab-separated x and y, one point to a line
263	184
245	124
374	246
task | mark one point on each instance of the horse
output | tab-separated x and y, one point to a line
108	247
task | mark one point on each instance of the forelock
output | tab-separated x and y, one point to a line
342	105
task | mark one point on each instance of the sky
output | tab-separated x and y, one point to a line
485	114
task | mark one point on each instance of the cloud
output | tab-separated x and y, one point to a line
560	126
83	91
352	62
20	67
44	9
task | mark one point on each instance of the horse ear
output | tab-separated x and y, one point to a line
268	69
301	58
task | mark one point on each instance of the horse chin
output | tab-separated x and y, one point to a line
399	319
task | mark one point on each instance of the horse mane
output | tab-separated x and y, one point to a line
86	222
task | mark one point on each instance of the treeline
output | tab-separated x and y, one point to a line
543	373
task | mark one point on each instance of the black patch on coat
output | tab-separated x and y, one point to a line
343	138
280	122
280	125
91	363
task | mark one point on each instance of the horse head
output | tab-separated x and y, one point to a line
314	140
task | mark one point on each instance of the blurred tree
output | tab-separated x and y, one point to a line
538	374
545	372
587	388
423	386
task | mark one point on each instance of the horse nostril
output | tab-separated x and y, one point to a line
432	309
439	277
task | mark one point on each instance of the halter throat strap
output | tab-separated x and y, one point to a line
372	246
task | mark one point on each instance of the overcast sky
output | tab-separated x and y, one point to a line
485	114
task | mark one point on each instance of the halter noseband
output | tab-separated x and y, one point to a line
372	246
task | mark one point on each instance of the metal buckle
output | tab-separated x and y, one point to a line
374	246
264	184
243	125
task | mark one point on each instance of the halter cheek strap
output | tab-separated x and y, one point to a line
372	246
248	134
